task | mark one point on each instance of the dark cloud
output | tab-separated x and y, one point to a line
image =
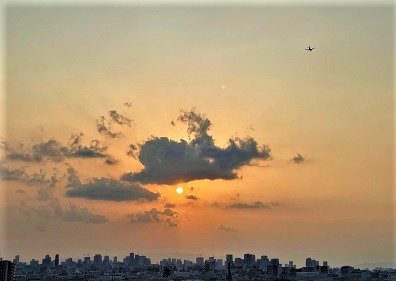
20	152
111	161
169	205
192	197
169	212
112	190
52	150
169	162
119	119
7	174
55	151
105	128
254	205
226	228
298	159
78	150
154	216
145	216
132	151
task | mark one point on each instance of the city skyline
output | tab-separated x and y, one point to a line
199	130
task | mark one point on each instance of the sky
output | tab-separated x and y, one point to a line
279	151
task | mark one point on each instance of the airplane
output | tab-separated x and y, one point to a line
310	49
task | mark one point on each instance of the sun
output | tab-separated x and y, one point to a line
179	190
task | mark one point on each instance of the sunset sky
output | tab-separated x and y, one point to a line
279	151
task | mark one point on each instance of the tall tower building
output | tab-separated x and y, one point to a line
56	260
7	271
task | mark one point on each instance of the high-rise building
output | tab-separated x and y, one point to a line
275	261
7	271
97	260
16	259
56	260
229	258
115	259
200	261
106	259
47	261
87	261
219	263
249	259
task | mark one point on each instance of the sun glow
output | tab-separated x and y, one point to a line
179	190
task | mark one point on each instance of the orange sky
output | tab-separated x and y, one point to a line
244	69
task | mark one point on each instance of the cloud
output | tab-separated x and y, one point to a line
55	151
45	184
111	161
169	212
132	151
75	213
298	159
154	216
128	104
111	190
44	194
119	119
169	162
169	205
105	129
254	205
51	150
40	179
226	228
53	210
170	223
76	149
7	174
192	197
72	176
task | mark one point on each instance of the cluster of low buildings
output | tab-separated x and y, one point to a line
139	267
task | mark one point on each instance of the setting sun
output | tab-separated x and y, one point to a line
179	190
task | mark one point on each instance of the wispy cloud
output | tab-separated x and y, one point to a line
226	228
253	205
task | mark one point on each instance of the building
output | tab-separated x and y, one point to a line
229	258
56	260
249	259
200	261
97	260
7	271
